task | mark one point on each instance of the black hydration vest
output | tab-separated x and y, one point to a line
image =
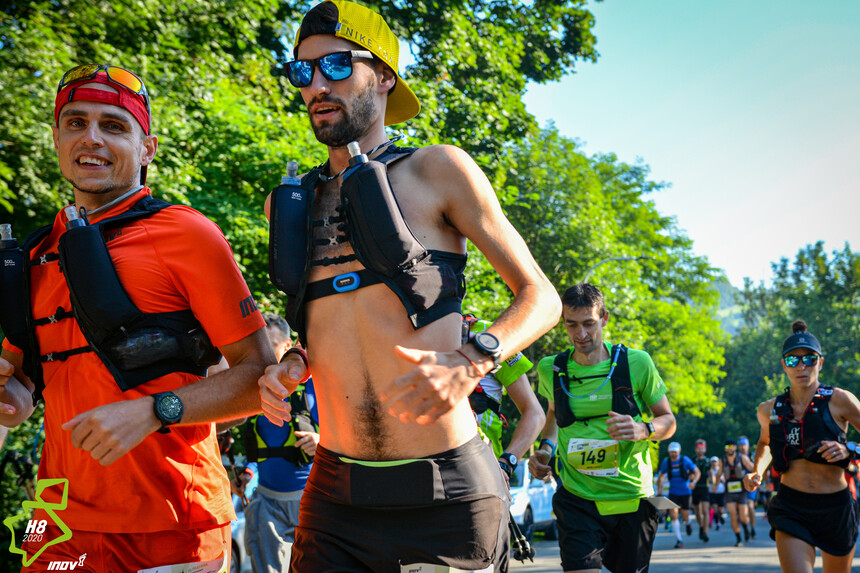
791	439
429	283
683	472
134	346
622	388
704	465
257	450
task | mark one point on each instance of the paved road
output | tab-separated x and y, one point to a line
717	556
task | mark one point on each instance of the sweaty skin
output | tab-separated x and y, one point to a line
387	391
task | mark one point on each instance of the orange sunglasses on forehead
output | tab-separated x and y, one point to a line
115	74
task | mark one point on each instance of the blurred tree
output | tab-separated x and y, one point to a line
823	291
574	211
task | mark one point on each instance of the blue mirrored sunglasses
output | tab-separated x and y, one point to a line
334	67
809	359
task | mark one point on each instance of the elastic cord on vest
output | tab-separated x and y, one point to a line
599	388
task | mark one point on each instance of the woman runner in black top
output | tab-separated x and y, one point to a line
804	431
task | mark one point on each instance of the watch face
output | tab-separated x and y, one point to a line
488	341
170	407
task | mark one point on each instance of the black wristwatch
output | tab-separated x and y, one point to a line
488	345
651	430
168	409
508	462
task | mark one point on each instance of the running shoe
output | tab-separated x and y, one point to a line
679	544
689	529
705	538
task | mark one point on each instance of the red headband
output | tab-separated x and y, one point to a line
125	98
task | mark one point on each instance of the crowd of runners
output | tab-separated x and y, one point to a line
377	431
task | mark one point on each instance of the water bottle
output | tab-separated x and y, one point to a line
7	241
292	177
13	317
289	226
74	219
356	157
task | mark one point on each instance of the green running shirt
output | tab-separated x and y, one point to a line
598	478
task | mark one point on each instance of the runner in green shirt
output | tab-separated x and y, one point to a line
486	402
602	455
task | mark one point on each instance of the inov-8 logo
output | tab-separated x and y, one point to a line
66	565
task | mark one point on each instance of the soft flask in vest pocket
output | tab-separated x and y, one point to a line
100	302
384	244
288	232
13	307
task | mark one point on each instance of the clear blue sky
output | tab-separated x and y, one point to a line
749	109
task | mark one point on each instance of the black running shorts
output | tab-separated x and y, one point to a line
700	494
588	540
449	509
683	501
718	499
825	520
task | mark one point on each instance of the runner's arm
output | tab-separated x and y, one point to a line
110	431
694	477
532	418
474	210
439	381
762	450
16	390
539	462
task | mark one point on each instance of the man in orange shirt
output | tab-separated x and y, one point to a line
130	299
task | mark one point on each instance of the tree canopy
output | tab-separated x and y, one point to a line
228	121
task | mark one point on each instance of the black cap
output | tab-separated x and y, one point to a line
801	339
321	19
730	443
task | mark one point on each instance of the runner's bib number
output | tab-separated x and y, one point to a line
734	486
594	457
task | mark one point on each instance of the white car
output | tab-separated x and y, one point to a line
531	503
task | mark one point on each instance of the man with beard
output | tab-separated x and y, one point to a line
400	477
130	299
597	394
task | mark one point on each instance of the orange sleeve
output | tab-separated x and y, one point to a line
11	347
202	266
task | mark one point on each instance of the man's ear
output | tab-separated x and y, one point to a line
150	146
388	79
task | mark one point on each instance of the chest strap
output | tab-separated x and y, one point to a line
341	283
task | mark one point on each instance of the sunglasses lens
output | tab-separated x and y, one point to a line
336	67
77	73
300	73
791	361
810	359
125	78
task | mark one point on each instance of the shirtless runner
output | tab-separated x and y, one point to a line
400	477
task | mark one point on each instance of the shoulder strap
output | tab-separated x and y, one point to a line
563	414
144	207
623	401
36	237
394	153
826	415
